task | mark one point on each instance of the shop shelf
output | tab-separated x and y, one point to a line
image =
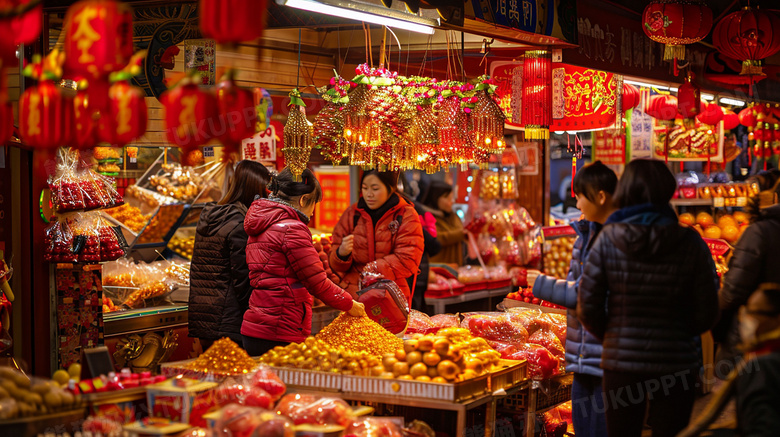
510	373
326	381
559	392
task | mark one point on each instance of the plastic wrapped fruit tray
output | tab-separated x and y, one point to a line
498	283
509	374
475	286
454	392
444	292
309	378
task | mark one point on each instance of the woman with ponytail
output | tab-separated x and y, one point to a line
284	268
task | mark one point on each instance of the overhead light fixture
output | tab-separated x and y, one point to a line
647	85
707	97
365	12
732	102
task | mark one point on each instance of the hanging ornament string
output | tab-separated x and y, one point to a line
576	152
298	78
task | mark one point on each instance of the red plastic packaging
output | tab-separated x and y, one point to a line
420	323
264	378
495	326
373	427
315	410
549	341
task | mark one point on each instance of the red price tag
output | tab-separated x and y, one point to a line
717	247
558	231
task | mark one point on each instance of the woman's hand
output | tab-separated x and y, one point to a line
357	310
346	246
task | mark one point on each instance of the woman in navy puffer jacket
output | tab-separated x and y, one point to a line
284	268
594	185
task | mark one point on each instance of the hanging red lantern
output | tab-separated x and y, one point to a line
631	96
688	98
84	122
662	107
231	21
747	117
676	23
730	119
748	35
710	113
21	28
98	38
537	94
126	117
189	115
237	114
45	116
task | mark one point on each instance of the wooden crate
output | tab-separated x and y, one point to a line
560	392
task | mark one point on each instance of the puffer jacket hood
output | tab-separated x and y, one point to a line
285	271
219	276
643	242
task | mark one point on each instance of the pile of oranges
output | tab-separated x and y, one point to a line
728	227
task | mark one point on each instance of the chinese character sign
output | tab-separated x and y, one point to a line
609	146
640	128
335	199
261	147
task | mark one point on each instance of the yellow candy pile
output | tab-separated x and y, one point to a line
359	334
314	354
223	357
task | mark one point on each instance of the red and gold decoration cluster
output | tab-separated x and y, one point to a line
194	116
100	61
385	121
676	23
763	123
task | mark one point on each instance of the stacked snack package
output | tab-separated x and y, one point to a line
110	249
75	186
260	388
58	243
503	235
86	237
315	410
420	323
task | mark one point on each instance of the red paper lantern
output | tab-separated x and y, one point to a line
676	23
730	119
662	107
20	29
631	96
84	122
231	21
45	116
748	35
126	117
537	94
237	114
710	113
190	115
688	98
747	117
98	38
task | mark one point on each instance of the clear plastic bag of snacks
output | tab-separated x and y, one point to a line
494	326
550	341
441	321
122	273
86	237
58	243
245	421
92	191
107	188
507	180
66	191
265	378
373	427
238	391
419	323
110	248
315	410
147	291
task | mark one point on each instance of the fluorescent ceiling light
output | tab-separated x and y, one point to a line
733	102
349	10
647	85
707	96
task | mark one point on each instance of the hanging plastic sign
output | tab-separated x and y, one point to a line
558	231
261	147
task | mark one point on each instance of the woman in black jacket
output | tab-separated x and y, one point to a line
219	276
662	295
755	260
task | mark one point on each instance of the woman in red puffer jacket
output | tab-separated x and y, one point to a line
383	227
284	268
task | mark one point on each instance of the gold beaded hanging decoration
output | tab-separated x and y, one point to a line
328	128
452	124
487	124
297	137
422	140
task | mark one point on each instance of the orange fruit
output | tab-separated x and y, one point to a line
730	233
726	220
740	217
712	232
704	219
687	218
699	230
